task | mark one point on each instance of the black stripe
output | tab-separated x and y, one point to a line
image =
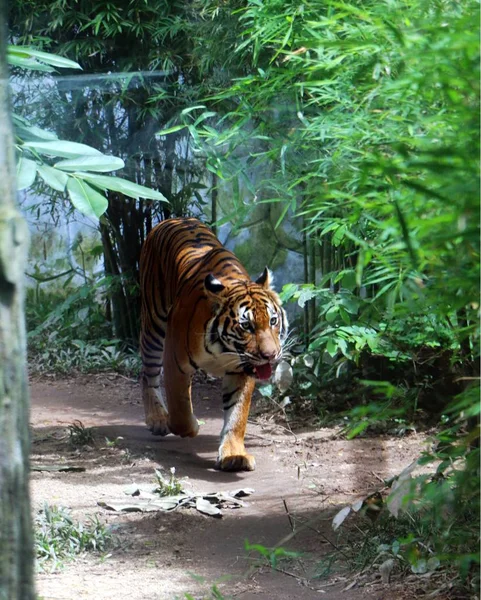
158	329
239	347
228	395
178	366
150	345
226	326
192	362
230	405
213	334
152	365
205	339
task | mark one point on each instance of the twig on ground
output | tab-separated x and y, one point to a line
378	477
291	523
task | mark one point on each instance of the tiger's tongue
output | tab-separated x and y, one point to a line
263	371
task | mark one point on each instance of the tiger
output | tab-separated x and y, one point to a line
201	310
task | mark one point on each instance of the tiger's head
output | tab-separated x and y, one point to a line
248	326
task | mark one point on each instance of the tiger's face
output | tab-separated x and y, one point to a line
249	325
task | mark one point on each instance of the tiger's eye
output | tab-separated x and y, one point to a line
274	320
246	325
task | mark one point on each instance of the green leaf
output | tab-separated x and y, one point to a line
349	280
339	235
26	173
344	315
351	304
305	295
63	149
116	184
31	132
331	314
53	177
27	63
85	199
102	164
172	129
331	348
45	57
191	108
288	291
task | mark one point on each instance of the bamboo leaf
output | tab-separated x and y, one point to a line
172	129
45	57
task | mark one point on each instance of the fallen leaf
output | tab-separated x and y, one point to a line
144	500
340	517
58	468
385	570
204	506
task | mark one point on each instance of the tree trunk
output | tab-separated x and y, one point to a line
16	544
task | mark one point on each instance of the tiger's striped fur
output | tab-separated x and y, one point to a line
200	310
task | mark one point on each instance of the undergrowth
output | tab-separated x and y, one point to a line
68	333
79	435
59	538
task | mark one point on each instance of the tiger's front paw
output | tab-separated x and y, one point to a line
236	462
156	419
158	427
189	428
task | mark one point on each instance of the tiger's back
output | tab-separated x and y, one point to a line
177	256
201	310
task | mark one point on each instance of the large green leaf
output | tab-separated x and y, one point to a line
26	173
85	199
63	149
27	63
53	177
102	164
31	132
116	184
44	57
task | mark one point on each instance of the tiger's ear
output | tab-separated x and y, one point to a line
213	286
266	279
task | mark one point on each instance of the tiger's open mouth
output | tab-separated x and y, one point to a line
263	371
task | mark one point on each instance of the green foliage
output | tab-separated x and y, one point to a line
272	555
59	538
79	435
360	119
168	486
436	525
69	333
363	119
76	176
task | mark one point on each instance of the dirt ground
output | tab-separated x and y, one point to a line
301	477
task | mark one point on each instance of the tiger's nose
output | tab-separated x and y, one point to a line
268	355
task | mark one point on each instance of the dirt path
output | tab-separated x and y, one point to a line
312	473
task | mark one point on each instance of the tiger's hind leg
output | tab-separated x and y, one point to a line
177	380
156	415
236	397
